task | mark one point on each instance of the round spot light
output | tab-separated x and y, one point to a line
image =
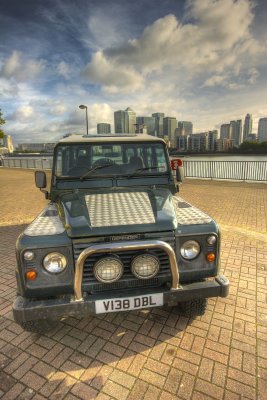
108	269
145	266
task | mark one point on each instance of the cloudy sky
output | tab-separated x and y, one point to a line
198	60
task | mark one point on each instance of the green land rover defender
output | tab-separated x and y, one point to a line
115	236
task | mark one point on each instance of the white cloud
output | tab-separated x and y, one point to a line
24	114
111	75
214	81
253	75
15	67
108	26
217	39
64	69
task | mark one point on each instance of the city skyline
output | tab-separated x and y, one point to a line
55	56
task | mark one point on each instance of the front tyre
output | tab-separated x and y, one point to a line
193	308
39	325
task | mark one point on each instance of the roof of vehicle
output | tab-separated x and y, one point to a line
135	137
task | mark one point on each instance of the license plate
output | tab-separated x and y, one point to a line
128	303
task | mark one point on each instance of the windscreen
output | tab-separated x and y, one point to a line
88	160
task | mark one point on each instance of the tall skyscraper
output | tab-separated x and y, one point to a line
169	127
226	131
103	128
262	130
124	121
236	132
119	121
149	122
247	127
185	128
130	120
158	123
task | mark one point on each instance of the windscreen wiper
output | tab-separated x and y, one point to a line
88	173
138	170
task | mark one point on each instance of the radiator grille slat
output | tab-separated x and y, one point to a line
128	280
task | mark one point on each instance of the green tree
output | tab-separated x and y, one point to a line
2	122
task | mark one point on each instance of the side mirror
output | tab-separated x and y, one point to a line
180	174
40	182
40	179
178	169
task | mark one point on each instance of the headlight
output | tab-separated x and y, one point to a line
54	262
28	255
108	269
145	266
190	250
211	239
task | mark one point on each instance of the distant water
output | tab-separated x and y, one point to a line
260	157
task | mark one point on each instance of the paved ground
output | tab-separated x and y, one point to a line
154	354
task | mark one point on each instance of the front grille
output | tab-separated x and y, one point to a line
128	280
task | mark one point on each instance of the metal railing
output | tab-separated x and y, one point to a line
28	163
234	170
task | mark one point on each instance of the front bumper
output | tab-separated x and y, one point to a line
28	310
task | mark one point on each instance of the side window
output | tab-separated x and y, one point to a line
161	160
59	163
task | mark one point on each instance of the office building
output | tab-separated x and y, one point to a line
169	126
224	144
262	130
247	127
185	128
158	124
148	123
182	142
199	142
130	120
226	131
119	121
103	128
125	121
37	147
212	137
236	132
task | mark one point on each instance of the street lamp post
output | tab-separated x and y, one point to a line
82	107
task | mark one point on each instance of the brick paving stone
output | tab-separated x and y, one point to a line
63	388
72	369
186	386
14	392
122	378
33	380
100	379
138	391
209	389
89	374
137	365
83	391
152	393
116	391
173	380
152	377
155	353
